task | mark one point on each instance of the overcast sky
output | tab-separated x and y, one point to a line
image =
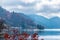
46	8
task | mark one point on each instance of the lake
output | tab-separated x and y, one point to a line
49	32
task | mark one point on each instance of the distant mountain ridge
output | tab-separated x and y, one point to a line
55	22
48	23
14	18
20	19
17	19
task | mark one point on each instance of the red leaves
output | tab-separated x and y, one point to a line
23	36
34	36
6	36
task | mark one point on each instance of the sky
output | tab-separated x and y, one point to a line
46	8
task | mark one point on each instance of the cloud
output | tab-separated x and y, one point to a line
18	2
14	8
47	8
28	1
48	5
49	15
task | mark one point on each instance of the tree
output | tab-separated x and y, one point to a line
2	24
40	26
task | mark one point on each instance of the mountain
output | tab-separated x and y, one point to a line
41	20
55	22
17	19
47	23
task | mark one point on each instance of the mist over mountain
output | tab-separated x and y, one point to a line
47	23
55	22
28	21
17	19
41	20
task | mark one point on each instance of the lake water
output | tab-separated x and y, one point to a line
49	34
45	31
50	37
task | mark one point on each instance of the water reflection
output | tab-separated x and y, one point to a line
49	32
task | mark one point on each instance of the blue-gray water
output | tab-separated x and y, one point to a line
44	33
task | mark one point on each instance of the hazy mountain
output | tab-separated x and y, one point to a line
41	20
17	19
47	23
55	22
20	19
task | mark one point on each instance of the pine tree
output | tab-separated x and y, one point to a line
1	24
